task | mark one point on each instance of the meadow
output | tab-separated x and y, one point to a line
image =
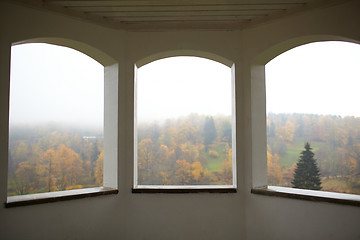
334	140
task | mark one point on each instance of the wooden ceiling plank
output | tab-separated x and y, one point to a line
39	4
180	18
291	11
181	8
84	3
163	26
182	13
222	18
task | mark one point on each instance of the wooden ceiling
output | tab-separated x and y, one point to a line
178	14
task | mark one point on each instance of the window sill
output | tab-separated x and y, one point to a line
184	189
32	199
310	195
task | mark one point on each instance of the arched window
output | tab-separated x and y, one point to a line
312	108
184	124
57	121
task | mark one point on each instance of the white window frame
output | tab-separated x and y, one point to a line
259	183
110	168
166	188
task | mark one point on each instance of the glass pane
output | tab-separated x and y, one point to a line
56	120
312	97
184	122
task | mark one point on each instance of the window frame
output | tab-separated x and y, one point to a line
259	184
110	167
186	188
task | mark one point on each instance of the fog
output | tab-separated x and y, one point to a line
60	85
317	78
55	84
179	86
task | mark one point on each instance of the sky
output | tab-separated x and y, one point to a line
318	78
179	86
56	84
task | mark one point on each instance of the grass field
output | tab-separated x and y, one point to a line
214	164
338	185
294	150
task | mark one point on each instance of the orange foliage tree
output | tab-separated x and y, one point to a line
182	172
99	169
68	167
46	169
25	178
274	169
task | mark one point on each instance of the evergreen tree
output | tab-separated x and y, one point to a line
307	174
209	131
94	151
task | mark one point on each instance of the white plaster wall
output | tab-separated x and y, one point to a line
181	216
125	215
280	218
90	218
173	216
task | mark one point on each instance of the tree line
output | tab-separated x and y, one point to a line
53	158
192	150
336	144
180	151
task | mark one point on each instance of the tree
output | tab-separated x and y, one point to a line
21	153
209	131
68	167
197	171
183	172
99	169
25	178
145	160
226	170
95	151
286	132
46	169
274	170
307	174
225	129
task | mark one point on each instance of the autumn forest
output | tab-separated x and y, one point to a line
335	142
48	158
191	150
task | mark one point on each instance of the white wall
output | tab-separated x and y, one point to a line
88	218
125	215
280	218
172	216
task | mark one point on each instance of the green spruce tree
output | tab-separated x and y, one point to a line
307	174
209	132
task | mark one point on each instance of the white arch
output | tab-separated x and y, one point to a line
111	75
98	55
176	53
258	100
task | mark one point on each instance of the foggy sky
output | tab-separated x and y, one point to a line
58	84
316	78
55	84
179	86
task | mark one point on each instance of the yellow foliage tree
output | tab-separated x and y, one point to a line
25	178
274	170
183	172
196	170
145	160
46	169
286	133
68	167
226	170
99	169
190	152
